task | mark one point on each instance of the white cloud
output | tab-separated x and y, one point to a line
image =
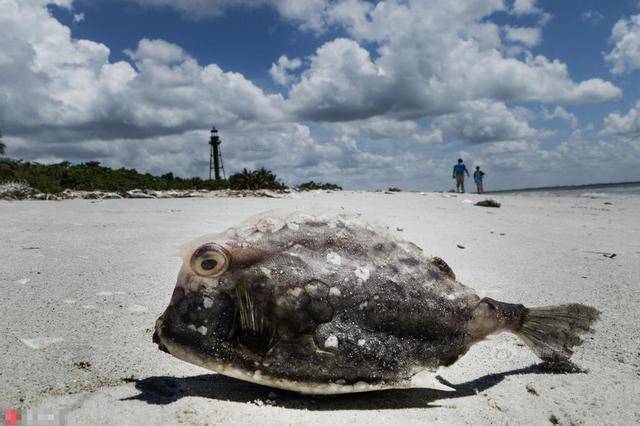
592	17
54	83
280	71
310	14
78	17
627	125
402	133
484	121
561	113
530	37
625	56
525	7
157	51
431	58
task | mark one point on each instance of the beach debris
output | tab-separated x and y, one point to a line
594	195
532	390
82	365
137	193
399	229
394	189
112	196
15	191
22	281
467	201
104	293
337	305
97	196
40	342
603	253
44	197
489	202
607	203
460	246
553	420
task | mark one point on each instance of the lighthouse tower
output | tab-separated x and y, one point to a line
215	158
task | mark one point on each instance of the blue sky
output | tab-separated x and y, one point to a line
363	93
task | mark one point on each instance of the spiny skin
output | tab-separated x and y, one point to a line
320	299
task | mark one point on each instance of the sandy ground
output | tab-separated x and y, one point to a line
82	283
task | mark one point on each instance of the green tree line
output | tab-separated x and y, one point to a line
92	176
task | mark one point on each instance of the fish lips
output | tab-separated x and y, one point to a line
156	336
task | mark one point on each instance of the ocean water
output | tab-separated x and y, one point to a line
587	191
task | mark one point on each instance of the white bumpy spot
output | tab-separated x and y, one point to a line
331	342
207	302
362	274
361	342
202	330
334	258
293	226
363	305
265	271
335	291
295	292
270	225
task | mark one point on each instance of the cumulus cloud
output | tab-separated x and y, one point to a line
402	133
55	85
625	56
280	71
310	14
530	37
560	113
432	57
484	121
627	125
525	7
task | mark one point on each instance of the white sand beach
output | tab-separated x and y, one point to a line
83	281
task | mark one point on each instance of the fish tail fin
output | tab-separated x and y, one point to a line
553	331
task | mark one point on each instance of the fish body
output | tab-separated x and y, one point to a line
327	303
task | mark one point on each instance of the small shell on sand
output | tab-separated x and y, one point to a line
40	342
136	308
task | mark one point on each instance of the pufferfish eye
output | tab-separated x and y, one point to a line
210	260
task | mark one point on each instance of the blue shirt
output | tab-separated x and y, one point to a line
478	175
458	169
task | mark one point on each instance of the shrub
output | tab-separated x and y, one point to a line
256	179
92	176
311	185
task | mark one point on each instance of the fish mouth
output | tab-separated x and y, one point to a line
156	337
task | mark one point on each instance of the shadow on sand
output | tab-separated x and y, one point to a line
162	390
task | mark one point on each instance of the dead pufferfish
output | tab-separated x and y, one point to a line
328	304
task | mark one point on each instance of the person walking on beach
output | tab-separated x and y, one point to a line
478	175
458	174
